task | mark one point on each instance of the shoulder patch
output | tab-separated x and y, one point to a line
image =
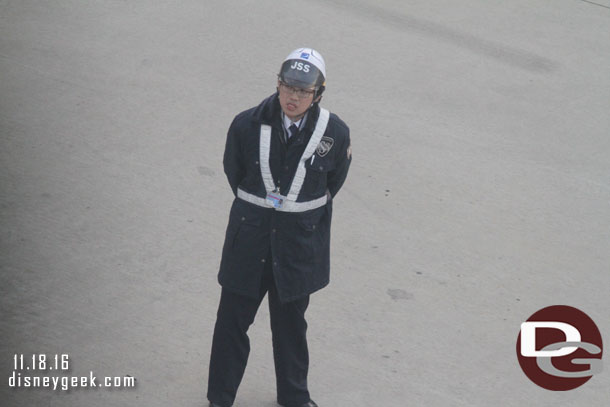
324	146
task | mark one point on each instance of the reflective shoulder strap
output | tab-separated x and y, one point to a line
299	176
265	146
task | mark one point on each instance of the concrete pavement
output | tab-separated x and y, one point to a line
479	192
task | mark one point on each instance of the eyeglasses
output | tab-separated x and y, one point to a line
301	93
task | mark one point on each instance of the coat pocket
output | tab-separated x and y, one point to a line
246	231
310	240
316	177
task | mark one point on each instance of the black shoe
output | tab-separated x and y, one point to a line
214	404
310	403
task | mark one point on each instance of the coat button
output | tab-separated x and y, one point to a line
275	263
243	218
256	162
263	260
286	168
313	227
320	168
273	230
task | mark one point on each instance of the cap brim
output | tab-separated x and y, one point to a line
293	76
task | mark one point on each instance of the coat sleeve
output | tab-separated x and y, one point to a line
233	157
337	177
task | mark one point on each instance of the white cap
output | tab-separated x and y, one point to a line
310	55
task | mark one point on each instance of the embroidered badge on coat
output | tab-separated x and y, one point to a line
324	146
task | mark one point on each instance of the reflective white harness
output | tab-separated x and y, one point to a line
289	203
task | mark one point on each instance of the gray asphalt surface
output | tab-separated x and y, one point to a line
478	194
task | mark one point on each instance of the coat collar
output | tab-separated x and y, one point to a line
269	112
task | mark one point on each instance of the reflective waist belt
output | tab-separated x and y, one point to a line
288	203
287	206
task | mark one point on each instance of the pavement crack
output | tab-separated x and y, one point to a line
596	4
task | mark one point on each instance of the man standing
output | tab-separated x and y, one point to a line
285	160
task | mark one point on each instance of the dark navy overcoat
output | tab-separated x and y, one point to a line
296	243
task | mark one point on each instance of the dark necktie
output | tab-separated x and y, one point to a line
293	130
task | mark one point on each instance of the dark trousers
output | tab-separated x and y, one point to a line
231	345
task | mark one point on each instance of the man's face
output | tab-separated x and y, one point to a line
294	101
